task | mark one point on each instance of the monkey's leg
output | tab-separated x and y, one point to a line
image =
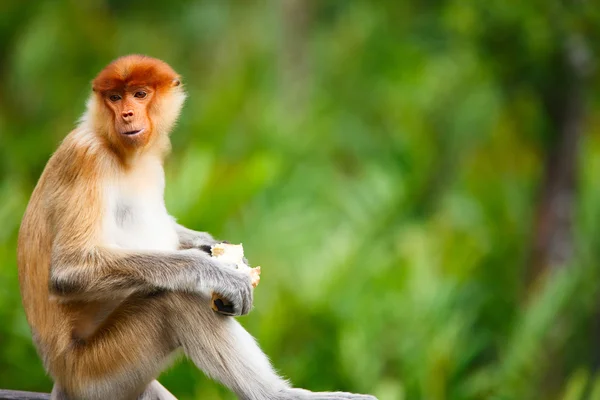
123	357
131	349
223	349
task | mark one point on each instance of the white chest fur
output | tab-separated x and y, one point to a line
135	212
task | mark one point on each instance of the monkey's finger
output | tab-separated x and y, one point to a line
205	248
222	308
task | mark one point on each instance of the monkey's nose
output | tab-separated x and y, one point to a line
127	114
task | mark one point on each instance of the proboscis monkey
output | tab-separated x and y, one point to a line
112	286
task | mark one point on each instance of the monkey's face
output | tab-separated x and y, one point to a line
130	111
139	100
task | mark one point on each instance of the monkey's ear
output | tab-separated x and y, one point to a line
176	82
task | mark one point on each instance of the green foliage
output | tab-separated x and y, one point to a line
386	180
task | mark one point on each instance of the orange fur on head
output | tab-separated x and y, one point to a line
136	101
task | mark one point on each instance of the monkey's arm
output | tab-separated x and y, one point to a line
190	239
104	273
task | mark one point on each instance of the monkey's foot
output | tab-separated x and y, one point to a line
301	394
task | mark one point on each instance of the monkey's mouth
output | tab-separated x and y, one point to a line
133	133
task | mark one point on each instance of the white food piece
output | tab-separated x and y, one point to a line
234	254
229	253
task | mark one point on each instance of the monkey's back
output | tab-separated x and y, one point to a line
55	205
33	258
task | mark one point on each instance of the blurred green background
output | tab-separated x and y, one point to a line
418	180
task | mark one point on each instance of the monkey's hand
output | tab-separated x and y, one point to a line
190	239
232	291
200	240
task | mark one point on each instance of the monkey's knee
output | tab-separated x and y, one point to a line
192	307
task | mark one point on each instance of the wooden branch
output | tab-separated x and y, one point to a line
18	395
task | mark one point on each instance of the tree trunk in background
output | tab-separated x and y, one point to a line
553	240
553	231
294	60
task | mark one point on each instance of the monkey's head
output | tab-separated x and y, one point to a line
136	101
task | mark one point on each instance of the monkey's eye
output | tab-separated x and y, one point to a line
140	95
115	97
